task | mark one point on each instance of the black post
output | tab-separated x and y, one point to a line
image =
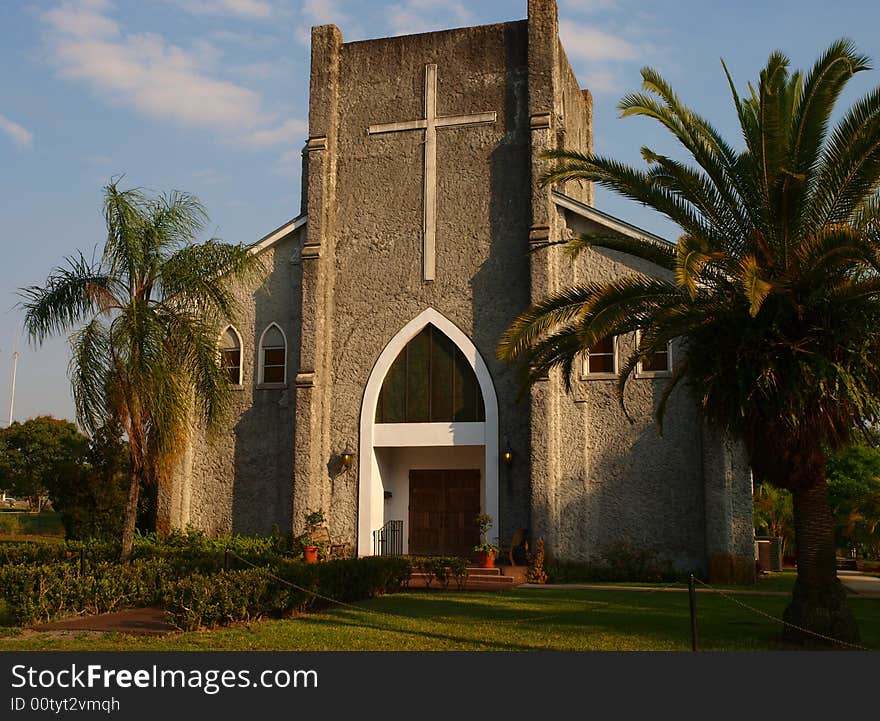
226	559
692	593
82	562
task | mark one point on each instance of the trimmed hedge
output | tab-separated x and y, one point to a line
194	591
204	601
443	569
37	593
618	562
191	551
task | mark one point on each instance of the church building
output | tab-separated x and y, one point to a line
364	368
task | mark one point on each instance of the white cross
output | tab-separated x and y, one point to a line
429	124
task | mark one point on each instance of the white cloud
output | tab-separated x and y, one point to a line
326	12
209	176
322	12
588	6
289	165
286	133
149	74
583	42
418	16
18	134
258	9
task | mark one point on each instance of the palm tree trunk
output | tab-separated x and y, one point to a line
130	515
819	599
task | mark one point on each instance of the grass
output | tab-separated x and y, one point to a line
19	525
518	620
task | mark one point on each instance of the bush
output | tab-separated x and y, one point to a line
205	601
536	572
289	586
37	593
618	562
443	569
191	551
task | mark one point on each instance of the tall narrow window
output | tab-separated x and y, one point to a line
602	358
230	354
430	382
273	355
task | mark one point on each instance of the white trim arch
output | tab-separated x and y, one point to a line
238	337
372	435
260	360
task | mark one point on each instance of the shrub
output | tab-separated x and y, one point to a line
190	551
443	569
36	593
536	572
204	601
618	562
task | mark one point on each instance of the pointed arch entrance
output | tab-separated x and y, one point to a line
439	452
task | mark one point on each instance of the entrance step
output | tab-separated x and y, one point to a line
476	579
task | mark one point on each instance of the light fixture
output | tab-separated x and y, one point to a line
507	455
346	457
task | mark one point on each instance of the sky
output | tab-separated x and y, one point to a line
211	97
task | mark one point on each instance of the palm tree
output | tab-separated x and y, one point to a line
776	293
144	321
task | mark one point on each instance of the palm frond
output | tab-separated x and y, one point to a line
849	167
90	375
755	287
660	254
69	296
209	276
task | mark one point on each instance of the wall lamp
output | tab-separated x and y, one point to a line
507	455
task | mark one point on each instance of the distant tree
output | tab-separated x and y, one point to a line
33	455
774	513
145	319
91	494
854	495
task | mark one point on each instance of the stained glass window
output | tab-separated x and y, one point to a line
430	382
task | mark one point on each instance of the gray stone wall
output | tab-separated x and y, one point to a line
241	481
482	225
624	483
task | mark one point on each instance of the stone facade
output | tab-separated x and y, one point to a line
347	285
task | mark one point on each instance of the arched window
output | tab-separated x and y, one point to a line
273	355
430	382
230	354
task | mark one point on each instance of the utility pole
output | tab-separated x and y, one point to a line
12	394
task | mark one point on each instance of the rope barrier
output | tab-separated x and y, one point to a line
391	614
780	620
545	617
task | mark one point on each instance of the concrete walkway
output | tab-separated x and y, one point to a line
649	589
860	584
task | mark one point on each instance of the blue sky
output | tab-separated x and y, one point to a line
211	97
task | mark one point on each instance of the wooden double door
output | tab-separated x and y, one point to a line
443	510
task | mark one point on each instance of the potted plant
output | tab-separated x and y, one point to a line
310	546
486	551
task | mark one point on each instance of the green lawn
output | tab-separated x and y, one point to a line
45	525
523	619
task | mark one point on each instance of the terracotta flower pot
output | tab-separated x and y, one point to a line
311	554
487	559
